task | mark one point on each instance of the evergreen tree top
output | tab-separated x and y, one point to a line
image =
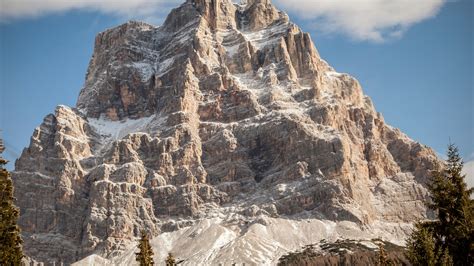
455	162
2	147
450	238
10	240
145	254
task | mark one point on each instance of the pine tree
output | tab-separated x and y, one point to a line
421	246
145	256
450	197
444	259
452	233
170	260
10	240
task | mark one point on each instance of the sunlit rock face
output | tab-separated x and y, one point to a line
226	110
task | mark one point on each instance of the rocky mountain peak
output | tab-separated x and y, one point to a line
249	15
221	122
210	34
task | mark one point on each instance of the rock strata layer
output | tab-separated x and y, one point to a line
225	108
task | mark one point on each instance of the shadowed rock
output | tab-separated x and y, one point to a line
224	107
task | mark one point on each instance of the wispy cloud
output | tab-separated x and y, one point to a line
15	9
468	170
470	157
364	20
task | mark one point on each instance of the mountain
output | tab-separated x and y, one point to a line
225	135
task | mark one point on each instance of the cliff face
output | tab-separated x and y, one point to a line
226	110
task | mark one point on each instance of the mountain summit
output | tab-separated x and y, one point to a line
225	135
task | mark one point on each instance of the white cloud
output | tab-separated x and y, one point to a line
470	157
372	20
13	9
468	170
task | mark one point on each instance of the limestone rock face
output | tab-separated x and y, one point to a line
226	108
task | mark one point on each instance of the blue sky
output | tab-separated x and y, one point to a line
417	68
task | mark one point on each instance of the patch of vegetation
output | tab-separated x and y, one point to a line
448	240
11	252
347	252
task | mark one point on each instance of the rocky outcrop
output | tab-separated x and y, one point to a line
346	252
225	108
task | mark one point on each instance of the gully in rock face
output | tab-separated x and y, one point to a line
224	121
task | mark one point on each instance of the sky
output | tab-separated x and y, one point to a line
413	58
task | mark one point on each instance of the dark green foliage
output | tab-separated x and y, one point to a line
10	240
145	256
421	246
452	235
170	260
444	258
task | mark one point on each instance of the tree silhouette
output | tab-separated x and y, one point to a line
453	232
145	254
170	260
10	239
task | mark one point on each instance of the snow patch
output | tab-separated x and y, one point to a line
95	260
146	70
217	242
267	36
165	65
333	74
119	129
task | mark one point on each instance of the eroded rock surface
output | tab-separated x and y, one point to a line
225	108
